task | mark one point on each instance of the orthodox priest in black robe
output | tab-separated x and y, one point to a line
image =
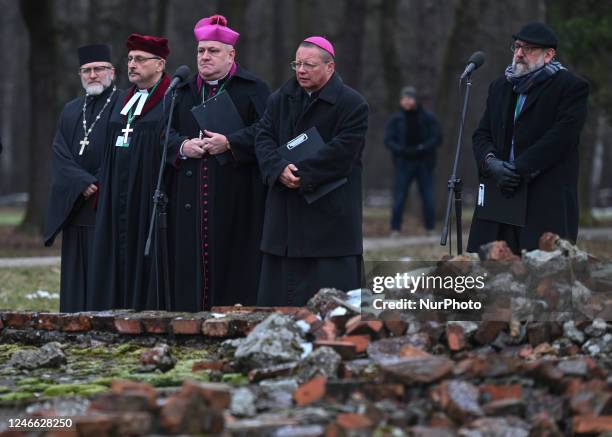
78	149
217	202
122	276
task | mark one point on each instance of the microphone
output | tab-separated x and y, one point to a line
181	74
475	61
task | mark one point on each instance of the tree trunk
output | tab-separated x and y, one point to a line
38	17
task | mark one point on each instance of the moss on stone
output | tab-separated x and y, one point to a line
235	379
74	389
16	396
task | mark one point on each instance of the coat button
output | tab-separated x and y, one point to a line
188	173
188	206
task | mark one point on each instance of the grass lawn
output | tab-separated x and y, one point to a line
33	288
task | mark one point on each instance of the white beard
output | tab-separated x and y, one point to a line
95	89
523	69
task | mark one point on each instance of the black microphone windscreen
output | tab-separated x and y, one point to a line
182	72
477	59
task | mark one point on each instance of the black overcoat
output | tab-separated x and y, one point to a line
236	198
330	226
547	134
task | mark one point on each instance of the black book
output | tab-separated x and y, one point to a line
496	206
219	114
300	148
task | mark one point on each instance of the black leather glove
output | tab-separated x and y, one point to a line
504	173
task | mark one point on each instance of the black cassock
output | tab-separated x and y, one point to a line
217	210
68	210
122	277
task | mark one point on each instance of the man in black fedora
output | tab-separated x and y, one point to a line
529	134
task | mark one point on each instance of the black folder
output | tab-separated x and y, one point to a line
300	148
218	114
493	205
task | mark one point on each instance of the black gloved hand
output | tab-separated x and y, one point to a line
505	174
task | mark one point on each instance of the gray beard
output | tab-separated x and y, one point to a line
95	89
526	68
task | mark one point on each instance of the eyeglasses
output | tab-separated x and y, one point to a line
140	59
307	66
97	70
527	50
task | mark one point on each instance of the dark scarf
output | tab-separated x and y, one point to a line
523	84
413	128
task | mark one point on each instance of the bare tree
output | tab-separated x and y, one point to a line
38	17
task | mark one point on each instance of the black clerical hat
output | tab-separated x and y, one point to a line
94	53
537	33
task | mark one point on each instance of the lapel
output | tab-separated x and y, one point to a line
329	93
533	96
507	99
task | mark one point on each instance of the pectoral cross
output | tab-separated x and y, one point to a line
126	132
84	142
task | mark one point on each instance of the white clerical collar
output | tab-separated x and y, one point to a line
216	82
139	96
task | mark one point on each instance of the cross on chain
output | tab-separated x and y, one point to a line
84	142
126	132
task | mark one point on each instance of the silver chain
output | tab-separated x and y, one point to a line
88	131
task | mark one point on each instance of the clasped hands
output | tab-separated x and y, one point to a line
288	178
505	174
213	144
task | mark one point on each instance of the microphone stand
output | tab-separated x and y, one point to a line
159	222
455	184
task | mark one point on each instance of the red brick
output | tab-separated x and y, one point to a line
286	369
488	331
173	413
440	420
217	328
381	391
48	321
361	342
18	319
413	352
130	424
591	424
127	325
588	401
505	407
493	392
307	316
99	425
396	327
418	370
124	386
208	365
455	336
156	324
353	421
325	331
215	395
75	322
347	350
355	326
186	326
311	391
